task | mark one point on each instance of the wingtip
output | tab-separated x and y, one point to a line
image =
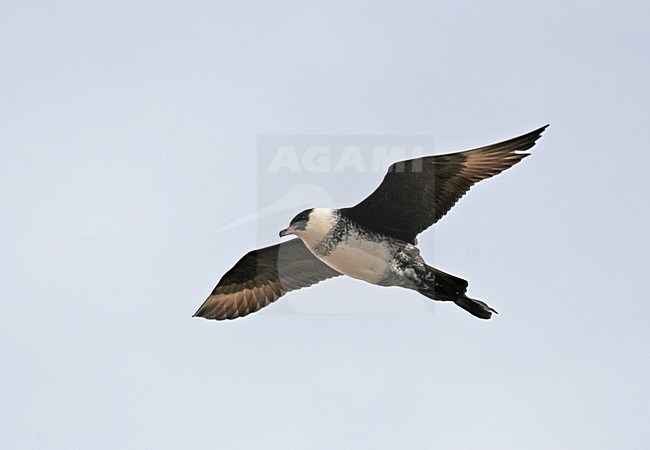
529	140
540	130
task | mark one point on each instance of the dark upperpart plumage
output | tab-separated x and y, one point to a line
416	193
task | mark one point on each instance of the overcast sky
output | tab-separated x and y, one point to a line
132	137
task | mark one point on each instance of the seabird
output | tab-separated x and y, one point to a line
374	241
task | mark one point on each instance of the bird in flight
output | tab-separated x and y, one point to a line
374	241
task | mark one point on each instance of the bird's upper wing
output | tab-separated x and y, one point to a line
416	193
261	277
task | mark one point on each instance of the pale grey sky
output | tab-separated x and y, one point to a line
129	137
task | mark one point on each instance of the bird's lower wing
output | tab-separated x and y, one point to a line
261	277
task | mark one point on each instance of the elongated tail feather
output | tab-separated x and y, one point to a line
441	286
475	307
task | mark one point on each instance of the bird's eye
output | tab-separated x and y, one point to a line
302	217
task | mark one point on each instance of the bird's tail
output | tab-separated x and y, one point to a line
439	285
476	307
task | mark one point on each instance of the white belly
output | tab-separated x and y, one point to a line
358	258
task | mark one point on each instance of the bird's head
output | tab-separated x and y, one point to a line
298	224
311	225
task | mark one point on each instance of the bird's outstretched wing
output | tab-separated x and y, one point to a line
416	193
261	277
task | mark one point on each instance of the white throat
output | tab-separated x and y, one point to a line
321	221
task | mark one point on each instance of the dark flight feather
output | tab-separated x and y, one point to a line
261	277
416	193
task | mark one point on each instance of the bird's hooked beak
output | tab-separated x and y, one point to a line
287	231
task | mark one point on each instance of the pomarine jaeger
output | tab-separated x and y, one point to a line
374	241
